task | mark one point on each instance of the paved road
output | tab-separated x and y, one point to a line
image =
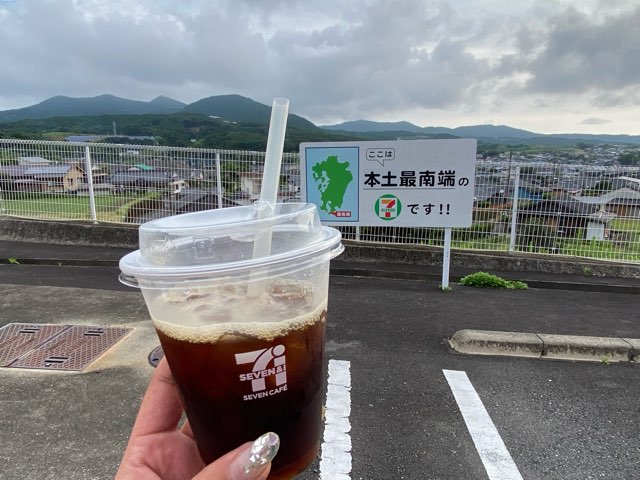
558	420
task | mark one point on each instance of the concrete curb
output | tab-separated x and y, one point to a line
67	262
68	232
401	262
372	271
543	346
367	253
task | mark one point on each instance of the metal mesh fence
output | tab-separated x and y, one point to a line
562	209
128	183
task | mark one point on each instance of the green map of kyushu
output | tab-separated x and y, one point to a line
332	179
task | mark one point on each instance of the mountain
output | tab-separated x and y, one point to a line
166	104
492	131
234	108
497	131
501	134
61	106
598	138
243	110
362	126
237	108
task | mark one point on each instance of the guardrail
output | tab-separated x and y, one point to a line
578	210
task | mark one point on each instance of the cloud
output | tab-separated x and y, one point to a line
335	60
617	98
377	57
393	56
84	52
581	52
594	121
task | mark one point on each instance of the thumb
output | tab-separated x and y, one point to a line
251	461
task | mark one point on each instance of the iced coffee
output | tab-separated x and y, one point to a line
246	346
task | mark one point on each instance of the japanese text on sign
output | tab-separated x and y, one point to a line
409	179
381	155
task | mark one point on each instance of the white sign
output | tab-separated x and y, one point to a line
407	183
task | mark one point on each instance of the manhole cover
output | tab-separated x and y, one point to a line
156	355
73	349
17	339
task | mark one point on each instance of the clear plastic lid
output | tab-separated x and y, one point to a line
221	242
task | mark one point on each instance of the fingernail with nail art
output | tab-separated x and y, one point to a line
263	450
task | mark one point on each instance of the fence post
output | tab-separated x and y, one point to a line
89	172
358	233
514	211
218	180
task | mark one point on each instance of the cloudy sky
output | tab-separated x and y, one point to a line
544	65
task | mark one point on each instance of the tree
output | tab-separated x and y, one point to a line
629	159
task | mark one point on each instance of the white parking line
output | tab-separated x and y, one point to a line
494	454
335	462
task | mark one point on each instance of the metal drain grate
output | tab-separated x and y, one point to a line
155	356
72	349
16	339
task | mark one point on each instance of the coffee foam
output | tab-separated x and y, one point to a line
215	332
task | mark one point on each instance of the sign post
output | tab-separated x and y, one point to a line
446	258
404	183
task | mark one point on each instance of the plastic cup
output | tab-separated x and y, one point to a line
243	335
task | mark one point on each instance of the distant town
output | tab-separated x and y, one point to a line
581	154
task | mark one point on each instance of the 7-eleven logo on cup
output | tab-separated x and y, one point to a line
267	363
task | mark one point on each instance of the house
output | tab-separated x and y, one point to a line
139	180
84	138
496	195
12	177
195	200
541	222
630	182
56	178
292	176
566	184
624	202
189	200
250	184
598	225
33	161
52	178
141	167
178	186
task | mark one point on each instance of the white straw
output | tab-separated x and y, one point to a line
270	179
273	158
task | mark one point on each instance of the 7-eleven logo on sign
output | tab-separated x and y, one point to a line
388	207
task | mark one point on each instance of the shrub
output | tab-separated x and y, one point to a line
487	280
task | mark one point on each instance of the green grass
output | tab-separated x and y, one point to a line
66	207
494	242
601	249
57	135
626	224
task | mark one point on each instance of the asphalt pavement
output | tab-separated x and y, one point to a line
392	324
